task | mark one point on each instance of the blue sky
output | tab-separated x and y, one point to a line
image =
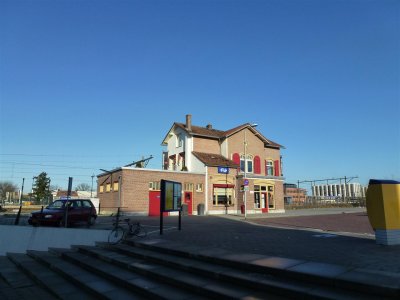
86	85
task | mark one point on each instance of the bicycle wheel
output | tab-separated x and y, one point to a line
140	231
115	235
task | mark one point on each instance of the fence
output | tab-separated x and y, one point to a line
321	202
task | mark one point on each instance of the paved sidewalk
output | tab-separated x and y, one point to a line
233	233
348	221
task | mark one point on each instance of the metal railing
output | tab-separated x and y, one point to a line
320	202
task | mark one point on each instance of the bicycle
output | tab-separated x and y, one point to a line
119	233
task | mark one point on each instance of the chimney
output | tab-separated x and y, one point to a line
189	122
209	126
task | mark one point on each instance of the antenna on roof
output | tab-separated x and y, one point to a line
140	163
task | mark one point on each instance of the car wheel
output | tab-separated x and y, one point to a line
92	221
61	223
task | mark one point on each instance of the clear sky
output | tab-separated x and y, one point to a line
88	85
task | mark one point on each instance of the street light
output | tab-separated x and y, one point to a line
245	169
22	191
91	189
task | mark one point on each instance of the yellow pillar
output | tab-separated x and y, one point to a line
383	209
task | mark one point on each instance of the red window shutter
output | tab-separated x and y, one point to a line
257	165
276	168
236	158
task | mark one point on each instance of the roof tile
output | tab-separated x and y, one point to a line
213	160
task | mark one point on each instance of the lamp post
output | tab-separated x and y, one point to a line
245	170
244	177
22	191
30	197
91	189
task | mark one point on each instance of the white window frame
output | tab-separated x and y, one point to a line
270	167
199	187
154	185
188	187
179	140
250	162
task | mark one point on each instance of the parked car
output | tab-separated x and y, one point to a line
79	211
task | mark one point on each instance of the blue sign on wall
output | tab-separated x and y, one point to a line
223	170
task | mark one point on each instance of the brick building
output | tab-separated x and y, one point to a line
217	169
293	194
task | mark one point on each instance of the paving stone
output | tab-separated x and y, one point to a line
276	262
319	269
9	293
242	257
229	291
144	283
176	294
123	295
35	292
374	282
213	252
101	286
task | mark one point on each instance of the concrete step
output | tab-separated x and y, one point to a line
329	278
134	275
15	284
177	284
199	275
94	284
57	285
213	272
157	269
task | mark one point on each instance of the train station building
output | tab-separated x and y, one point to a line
222	172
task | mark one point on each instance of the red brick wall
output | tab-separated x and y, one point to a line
108	200
135	189
206	145
278	194
254	147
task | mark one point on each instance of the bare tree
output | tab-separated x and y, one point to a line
54	187
7	187
82	187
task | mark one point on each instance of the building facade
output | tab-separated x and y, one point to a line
223	171
339	190
293	194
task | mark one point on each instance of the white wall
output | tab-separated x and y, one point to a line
18	239
197	165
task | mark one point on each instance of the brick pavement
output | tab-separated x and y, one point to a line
235	234
344	222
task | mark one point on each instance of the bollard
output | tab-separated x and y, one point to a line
383	209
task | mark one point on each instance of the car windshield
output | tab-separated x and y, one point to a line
57	204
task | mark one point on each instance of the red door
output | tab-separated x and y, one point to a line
188	202
264	201
154	204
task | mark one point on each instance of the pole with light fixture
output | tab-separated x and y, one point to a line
244	177
91	188
245	186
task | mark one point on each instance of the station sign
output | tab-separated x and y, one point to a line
223	170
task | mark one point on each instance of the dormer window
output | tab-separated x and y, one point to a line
179	140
